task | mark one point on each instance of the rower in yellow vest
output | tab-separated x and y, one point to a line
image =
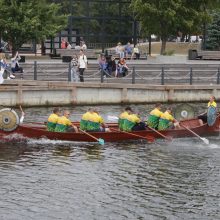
53	118
123	116
167	121
64	124
154	117
133	123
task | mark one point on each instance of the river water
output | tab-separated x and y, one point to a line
42	179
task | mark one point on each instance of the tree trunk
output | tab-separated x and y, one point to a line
163	46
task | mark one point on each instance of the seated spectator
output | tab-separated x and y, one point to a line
69	47
111	65
128	49
122	68
77	47
15	67
120	50
83	46
136	52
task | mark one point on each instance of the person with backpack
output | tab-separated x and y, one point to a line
82	64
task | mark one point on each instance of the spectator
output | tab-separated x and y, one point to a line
69	47
74	65
63	44
83	46
77	47
120	50
15	67
82	64
111	65
128	49
136	52
122	68
103	64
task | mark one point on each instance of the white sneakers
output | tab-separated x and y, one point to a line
12	76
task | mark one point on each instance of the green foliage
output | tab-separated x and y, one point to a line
167	17
22	21
213	32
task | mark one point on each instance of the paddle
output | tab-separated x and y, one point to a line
100	140
206	141
22	115
162	135
150	139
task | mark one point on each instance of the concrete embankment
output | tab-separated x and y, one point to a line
45	93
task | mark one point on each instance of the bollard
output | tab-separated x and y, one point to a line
218	76
102	76
35	70
162	76
69	73
191	76
133	75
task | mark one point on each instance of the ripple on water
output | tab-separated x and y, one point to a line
64	180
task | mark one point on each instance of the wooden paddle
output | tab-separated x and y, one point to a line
150	139
206	141
162	135
100	140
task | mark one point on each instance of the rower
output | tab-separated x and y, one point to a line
167	121
53	118
133	123
154	117
123	116
211	109
64	124
92	121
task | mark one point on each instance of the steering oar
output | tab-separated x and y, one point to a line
206	141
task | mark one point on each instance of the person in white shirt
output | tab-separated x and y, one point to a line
84	47
69	47
82	64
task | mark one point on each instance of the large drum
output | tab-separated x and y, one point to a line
184	111
9	119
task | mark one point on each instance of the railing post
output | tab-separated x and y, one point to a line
162	76
191	76
69	73
102	76
35	70
133	75
218	76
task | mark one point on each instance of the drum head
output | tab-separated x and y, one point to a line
184	111
211	116
9	119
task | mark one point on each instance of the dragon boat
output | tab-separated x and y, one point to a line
10	126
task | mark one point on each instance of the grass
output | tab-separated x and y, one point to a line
172	48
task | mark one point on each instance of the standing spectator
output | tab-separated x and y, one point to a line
74	65
4	67
63	44
82	64
102	64
120	50
122	68
15	67
128	49
111	65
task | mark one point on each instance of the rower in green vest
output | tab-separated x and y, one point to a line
167	121
154	117
123	116
53	118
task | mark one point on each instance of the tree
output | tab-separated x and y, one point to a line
213	32
22	21
165	18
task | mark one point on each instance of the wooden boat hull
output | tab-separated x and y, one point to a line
38	132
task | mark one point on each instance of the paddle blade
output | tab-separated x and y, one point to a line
101	141
206	141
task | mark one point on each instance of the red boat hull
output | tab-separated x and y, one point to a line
38	132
